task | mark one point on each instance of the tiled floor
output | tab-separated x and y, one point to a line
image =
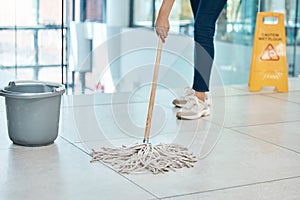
249	148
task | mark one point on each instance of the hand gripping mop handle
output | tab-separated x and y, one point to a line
153	91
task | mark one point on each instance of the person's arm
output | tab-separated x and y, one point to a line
162	24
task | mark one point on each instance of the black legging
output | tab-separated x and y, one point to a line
206	13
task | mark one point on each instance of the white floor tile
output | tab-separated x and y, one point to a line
256	158
236	160
255	109
282	134
276	190
90	123
244	89
101	99
290	97
60	171
294	84
234	91
201	142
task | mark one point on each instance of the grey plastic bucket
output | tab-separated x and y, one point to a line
33	109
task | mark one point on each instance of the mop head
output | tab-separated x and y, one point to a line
145	157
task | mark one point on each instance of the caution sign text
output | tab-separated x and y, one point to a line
270	37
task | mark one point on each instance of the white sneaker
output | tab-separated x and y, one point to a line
180	102
207	99
193	109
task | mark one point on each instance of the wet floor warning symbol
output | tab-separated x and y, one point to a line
269	54
269	63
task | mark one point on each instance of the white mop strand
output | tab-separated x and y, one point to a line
145	157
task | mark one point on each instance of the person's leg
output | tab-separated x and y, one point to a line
195	5
206	15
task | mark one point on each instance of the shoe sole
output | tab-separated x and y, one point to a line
178	105
204	113
182	105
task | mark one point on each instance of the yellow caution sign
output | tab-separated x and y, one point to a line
269	63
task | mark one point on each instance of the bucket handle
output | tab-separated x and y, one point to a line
59	90
2	93
12	83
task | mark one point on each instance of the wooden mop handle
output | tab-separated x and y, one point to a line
153	91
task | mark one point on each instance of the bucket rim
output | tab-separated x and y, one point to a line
58	89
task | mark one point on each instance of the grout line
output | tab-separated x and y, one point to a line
109	167
261	124
156	198
103	104
120	103
166	133
235	187
274	97
146	101
237	87
266	141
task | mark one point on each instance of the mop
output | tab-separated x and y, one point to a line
145	157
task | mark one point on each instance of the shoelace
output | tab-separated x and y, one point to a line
189	91
191	101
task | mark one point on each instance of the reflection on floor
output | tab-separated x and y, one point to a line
247	149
